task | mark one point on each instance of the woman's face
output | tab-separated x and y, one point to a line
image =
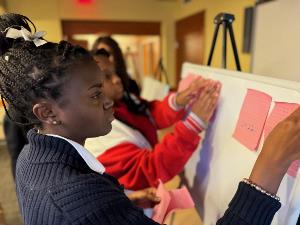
113	87
109	50
84	110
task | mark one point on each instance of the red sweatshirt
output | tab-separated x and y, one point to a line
139	167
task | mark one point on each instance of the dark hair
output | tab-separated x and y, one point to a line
134	103
101	52
12	19
29	73
120	66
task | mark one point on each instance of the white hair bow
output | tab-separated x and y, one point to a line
36	38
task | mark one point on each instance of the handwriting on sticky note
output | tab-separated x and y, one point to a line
186	82
170	201
281	111
252	118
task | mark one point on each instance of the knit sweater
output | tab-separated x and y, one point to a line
250	207
55	186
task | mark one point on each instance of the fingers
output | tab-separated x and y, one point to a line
209	94
207	102
151	195
196	85
295	114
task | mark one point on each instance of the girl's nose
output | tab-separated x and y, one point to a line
115	79
108	103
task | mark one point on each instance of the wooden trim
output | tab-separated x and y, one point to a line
71	27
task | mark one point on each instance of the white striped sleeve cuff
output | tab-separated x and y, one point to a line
172	102
195	123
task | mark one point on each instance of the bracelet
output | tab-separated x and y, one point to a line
260	189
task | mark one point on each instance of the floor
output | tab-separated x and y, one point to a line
8	198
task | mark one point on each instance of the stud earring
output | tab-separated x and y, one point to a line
55	122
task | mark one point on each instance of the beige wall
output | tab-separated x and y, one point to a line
48	14
43	13
276	49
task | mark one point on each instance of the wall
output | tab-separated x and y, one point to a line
43	13
276	48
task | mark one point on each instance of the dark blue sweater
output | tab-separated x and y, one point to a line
55	186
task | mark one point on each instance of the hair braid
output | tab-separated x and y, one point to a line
28	73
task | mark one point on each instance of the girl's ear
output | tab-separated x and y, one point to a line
45	112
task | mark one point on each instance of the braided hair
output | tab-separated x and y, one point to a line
29	73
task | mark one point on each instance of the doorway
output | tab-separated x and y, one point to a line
190	41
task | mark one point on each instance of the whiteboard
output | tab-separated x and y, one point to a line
221	162
276	40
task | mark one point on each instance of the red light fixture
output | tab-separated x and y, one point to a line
85	2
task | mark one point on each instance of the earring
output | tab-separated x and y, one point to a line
55	122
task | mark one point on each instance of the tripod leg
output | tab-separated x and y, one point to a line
235	52
213	44
224	51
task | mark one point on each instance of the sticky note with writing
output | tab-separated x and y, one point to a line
252	118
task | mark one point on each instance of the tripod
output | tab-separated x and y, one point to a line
226	20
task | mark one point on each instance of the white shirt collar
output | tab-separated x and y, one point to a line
89	159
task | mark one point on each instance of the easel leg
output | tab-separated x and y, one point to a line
213	44
235	52
224	51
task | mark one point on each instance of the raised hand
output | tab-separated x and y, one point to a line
184	97
206	103
280	149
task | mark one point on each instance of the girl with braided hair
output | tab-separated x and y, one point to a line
57	89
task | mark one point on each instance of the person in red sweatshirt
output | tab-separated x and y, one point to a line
131	152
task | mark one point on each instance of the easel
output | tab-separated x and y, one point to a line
226	20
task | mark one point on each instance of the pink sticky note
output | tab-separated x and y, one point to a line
252	118
170	201
293	169
180	199
160	210
280	111
185	83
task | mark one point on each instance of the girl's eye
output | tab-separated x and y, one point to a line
97	95
108	76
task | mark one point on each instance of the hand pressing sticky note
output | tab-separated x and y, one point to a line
252	118
186	82
170	201
281	111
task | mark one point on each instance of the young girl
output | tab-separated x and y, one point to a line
55	176
58	87
132	152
